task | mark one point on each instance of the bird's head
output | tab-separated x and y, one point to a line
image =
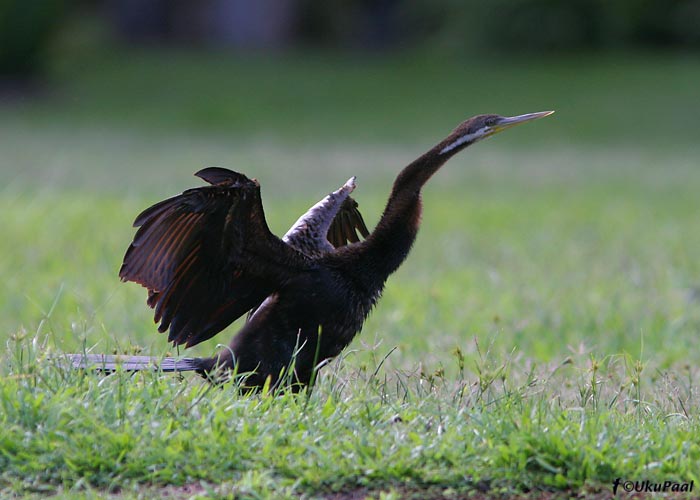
483	126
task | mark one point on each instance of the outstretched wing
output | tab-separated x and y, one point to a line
207	256
330	223
346	224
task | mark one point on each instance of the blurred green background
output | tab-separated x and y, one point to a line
576	232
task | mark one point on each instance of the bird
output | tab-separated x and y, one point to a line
207	257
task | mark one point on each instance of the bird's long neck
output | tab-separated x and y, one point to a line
388	245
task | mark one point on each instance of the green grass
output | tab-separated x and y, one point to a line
545	323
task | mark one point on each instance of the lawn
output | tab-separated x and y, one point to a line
540	340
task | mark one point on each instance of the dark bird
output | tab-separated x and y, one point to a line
207	257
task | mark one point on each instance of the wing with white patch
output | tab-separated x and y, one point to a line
332	222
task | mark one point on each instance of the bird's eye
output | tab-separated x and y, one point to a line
490	121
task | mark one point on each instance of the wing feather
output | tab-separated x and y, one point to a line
207	256
346	224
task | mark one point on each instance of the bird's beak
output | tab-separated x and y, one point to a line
461	139
506	122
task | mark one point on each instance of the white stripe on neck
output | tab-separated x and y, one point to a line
465	138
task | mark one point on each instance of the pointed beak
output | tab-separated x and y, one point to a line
506	122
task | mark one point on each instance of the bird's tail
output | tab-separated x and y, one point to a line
110	363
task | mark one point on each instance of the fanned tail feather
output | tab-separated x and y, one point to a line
111	363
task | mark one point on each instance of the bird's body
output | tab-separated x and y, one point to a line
207	257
